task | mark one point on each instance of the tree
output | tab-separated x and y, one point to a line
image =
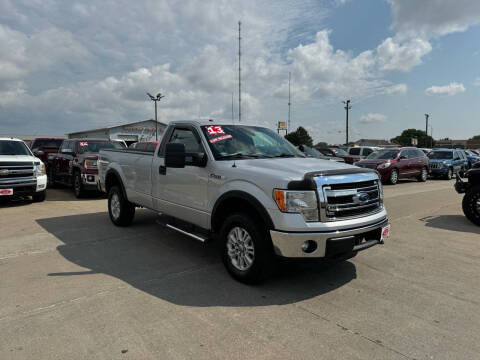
299	137
321	144
405	139
476	137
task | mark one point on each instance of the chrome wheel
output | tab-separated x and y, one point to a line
424	174
115	206
394	177
240	248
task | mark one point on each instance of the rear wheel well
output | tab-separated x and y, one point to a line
236	204
112	180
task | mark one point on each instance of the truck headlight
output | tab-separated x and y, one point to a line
40	169
90	164
298	202
384	165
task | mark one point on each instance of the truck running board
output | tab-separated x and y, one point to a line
184	228
194	236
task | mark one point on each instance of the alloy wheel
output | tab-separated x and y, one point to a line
115	206
240	248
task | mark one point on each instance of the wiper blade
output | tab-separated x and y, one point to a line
284	155
239	156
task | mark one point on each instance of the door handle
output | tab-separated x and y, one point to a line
162	170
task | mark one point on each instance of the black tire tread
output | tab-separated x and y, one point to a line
469	204
127	209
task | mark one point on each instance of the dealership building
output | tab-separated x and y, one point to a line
133	132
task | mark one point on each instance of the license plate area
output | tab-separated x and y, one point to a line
385	233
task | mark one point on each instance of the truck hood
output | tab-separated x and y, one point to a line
289	168
18	158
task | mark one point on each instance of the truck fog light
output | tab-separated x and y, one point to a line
309	246
89	178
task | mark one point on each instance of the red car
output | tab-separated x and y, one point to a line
149	146
335	152
42	147
396	163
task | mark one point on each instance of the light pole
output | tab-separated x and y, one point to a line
347	107
155	100
426	123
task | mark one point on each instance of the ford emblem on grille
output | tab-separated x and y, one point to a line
4	172
361	198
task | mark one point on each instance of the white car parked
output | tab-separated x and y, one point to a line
21	173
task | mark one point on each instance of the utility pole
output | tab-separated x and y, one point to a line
347	107
232	108
156	99
239	74
426	123
289	101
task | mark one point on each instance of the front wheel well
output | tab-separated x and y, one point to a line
239	203
111	180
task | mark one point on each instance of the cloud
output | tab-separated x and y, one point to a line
372	118
429	18
398	89
392	55
477	81
447	90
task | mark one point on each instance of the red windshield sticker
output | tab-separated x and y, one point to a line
84	143
220	138
215	130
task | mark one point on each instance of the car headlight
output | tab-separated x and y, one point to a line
90	164
384	165
40	169
298	202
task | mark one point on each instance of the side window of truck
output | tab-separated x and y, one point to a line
191	141
367	151
354	151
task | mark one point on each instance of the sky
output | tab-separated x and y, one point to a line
67	66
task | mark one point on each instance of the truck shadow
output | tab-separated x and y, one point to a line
451	222
178	269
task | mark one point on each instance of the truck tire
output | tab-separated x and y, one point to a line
78	189
423	175
471	204
39	196
247	250
393	179
51	177
121	210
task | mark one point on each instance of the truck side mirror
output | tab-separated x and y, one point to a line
175	155
403	157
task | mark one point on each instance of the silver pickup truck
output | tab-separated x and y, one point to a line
249	189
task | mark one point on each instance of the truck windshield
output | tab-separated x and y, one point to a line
340	152
47	144
96	146
440	155
243	142
13	148
383	155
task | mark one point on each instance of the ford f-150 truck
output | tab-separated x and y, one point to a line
21	173
250	189
75	164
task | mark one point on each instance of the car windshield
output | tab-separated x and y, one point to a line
383	155
243	142
440	155
47	143
13	148
340	152
96	146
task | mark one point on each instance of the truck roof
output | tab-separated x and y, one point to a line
11	139
202	122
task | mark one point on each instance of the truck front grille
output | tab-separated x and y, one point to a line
16	170
346	200
435	166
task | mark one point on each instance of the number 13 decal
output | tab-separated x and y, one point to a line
215	130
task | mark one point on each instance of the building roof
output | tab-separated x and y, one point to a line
375	142
115	126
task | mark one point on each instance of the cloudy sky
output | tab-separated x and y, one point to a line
68	66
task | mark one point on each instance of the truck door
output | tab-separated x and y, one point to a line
182	193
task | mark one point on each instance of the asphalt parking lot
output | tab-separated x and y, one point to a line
73	286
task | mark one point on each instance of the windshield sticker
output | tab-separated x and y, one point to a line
215	130
220	138
84	143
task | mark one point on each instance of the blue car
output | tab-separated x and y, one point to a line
445	162
472	158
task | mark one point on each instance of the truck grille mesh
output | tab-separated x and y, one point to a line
16	170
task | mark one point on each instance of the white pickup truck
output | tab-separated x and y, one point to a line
21	173
250	189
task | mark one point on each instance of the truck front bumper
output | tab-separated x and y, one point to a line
328	244
24	186
90	181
